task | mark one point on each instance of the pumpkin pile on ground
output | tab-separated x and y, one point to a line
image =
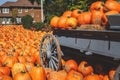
95	16
19	53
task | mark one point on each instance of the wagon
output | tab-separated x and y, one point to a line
101	42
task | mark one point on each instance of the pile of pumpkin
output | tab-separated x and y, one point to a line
18	46
97	15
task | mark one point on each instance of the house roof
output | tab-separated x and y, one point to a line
20	3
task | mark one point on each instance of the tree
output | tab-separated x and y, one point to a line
14	15
27	21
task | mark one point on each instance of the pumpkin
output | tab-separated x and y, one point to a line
21	59
74	75
10	61
97	17
71	65
18	67
101	76
5	77
97	5
63	62
84	68
76	12
48	71
22	76
111	12
5	70
1	73
67	14
84	18
30	59
0	63
111	74
105	19
106	77
92	77
60	75
28	66
71	23
54	21
62	22
112	5
38	73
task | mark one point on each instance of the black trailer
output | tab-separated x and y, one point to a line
102	42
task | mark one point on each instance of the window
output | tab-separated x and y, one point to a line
18	20
26	10
32	14
5	10
20	10
6	21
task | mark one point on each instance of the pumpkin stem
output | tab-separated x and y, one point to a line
4	64
38	65
80	11
23	72
86	65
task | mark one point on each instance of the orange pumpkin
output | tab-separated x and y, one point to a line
92	77
63	62
10	61
67	14
71	22
84	68
84	18
97	5
5	77
111	74
5	70
21	59
71	65
48	71
0	63
106	77
28	66
22	76
74	75
30	59
112	5
62	22
111	12
54	21
97	17
18	67
38	73
104	19
76	13
60	75
101	76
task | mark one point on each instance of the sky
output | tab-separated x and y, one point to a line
3	1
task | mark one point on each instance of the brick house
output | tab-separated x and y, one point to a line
23	7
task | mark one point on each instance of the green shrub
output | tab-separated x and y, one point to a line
38	25
27	21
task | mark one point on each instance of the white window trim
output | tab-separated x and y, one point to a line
5	10
26	10
19	10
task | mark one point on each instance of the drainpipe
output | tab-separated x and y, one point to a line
41	4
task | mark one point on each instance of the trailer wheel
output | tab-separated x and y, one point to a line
50	52
117	74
